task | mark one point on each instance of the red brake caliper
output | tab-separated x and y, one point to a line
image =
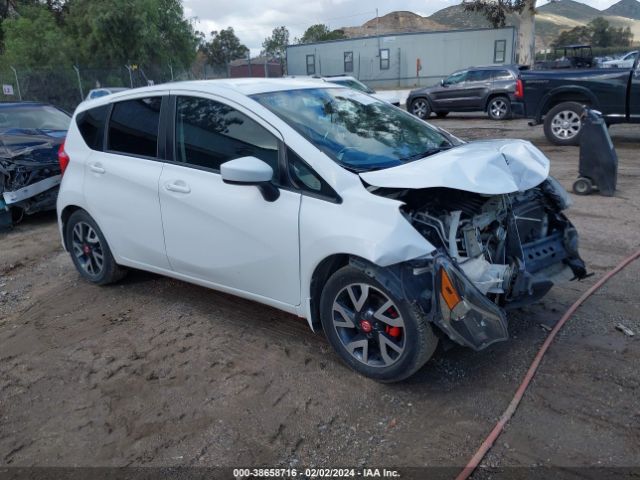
393	331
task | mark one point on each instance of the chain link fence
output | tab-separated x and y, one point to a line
66	87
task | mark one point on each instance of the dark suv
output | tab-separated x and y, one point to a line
495	90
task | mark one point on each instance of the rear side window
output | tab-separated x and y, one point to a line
133	127
502	75
91	125
209	133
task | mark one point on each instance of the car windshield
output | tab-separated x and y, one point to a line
40	117
357	131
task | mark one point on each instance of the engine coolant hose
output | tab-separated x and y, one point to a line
508	413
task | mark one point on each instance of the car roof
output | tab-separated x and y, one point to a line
243	86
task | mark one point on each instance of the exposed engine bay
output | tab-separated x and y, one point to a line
493	252
29	173
512	247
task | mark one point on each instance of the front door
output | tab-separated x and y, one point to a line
221	233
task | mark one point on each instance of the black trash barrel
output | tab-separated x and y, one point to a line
598	158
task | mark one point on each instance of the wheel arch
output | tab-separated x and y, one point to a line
566	94
323	270
64	218
493	95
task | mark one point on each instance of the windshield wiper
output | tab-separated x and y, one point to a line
426	153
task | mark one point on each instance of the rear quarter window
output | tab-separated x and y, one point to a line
133	127
91	125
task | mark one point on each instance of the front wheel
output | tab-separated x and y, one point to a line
562	125
89	250
376	334
420	108
499	108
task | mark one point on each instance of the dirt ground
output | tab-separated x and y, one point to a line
156	372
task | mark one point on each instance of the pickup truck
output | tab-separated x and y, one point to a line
557	97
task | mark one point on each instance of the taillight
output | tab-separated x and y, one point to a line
519	89
63	159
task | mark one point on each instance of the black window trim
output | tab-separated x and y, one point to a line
503	50
388	59
345	61
334	198
312	55
161	129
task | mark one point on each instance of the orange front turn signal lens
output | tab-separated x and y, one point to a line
448	291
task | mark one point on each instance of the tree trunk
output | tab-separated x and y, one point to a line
527	35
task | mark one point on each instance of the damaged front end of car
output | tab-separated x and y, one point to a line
29	174
492	252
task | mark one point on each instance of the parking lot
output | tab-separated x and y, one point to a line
157	372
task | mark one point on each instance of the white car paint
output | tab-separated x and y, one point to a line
626	61
489	167
229	238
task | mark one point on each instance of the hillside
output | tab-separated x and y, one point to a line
551	19
394	22
571	9
625	8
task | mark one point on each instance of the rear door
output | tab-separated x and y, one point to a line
476	88
121	182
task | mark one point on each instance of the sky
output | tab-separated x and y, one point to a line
254	21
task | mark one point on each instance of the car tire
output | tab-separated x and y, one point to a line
499	108
441	114
583	186
562	125
420	108
89	250
386	345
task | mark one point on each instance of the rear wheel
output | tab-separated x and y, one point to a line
562	125
89	250
499	108
376	334
420	108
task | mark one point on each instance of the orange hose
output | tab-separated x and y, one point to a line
508	413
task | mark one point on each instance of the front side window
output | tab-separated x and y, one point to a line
500	51
209	133
348	62
357	131
311	64
478	76
455	78
384	59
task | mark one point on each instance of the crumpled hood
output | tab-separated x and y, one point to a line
490	167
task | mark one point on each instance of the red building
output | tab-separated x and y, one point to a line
255	67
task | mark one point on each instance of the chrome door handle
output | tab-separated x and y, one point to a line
179	187
97	168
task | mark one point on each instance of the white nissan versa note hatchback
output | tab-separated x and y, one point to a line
382	230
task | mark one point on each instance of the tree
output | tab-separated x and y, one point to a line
577	35
495	11
598	33
320	33
224	47
33	39
118	32
276	44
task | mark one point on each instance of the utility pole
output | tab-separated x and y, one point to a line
15	72
75	67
